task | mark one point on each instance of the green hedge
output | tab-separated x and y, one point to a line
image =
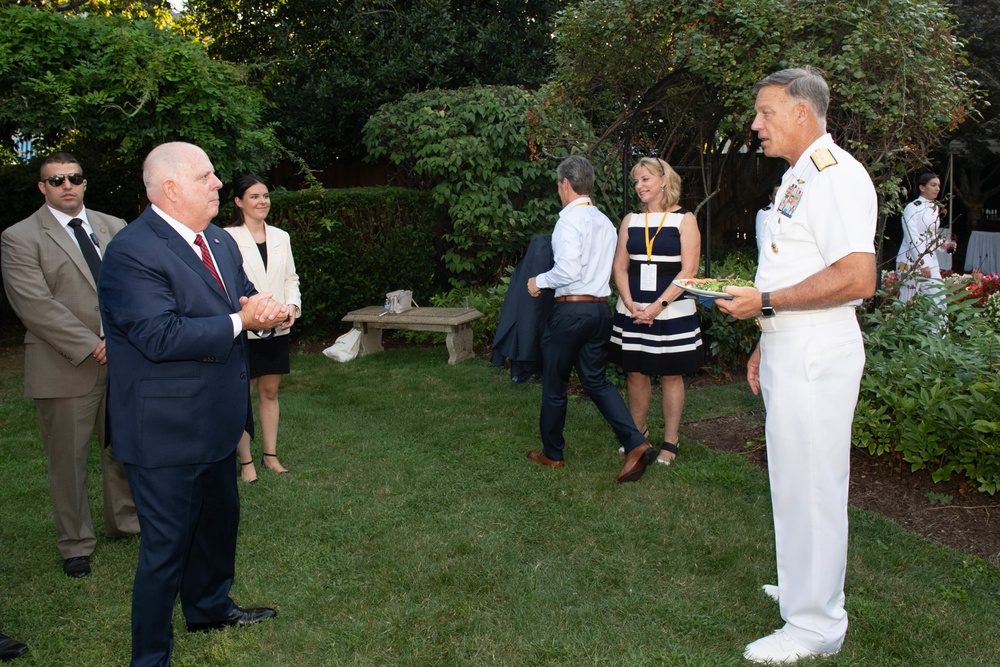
351	246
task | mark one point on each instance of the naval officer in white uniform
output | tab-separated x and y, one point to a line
817	262
918	258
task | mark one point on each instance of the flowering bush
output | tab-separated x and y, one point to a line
891	282
992	309
979	286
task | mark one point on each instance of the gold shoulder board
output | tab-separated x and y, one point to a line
822	158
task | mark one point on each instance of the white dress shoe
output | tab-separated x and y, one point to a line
771	591
778	649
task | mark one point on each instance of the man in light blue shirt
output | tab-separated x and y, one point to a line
579	326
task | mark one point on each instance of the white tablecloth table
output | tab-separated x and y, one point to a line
983	252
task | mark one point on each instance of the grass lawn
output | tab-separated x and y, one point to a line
413	531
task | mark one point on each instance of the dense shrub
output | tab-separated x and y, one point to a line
730	341
931	386
473	148
352	246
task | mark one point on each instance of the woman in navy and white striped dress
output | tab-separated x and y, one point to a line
656	331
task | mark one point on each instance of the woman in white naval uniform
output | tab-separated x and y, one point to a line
921	237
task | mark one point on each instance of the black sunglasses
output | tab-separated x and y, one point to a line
55	180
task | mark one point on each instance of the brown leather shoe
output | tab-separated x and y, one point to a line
635	463
542	459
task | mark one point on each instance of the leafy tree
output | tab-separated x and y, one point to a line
328	66
109	89
676	77
978	165
158	10
477	149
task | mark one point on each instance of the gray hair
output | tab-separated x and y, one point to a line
580	173
806	84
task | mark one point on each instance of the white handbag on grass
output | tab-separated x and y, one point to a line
346	347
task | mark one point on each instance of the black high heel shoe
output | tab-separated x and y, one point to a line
273	456
247	463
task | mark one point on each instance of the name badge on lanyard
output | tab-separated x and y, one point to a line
647	272
647	277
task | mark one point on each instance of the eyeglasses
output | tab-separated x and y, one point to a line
55	180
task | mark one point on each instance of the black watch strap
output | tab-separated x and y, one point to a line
766	310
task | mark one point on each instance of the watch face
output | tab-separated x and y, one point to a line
767	311
664	303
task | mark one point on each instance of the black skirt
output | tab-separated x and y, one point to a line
269	357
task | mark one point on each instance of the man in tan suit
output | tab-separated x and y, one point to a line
50	263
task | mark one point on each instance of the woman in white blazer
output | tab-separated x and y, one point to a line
268	263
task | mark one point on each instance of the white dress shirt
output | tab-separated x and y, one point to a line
583	246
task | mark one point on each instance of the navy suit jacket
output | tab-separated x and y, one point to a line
522	317
178	381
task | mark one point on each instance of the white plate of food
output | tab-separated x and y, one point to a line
712	288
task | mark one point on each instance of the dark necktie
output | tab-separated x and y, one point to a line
206	258
86	247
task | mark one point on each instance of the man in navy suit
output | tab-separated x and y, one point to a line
175	304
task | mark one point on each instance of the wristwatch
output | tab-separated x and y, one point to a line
765	305
664	303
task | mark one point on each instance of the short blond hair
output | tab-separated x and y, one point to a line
658	167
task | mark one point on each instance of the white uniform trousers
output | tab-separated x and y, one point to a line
811	366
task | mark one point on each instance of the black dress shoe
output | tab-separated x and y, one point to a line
78	566
238	616
11	648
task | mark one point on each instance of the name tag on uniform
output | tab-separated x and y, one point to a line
647	277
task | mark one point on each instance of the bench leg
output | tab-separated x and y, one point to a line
459	345
371	340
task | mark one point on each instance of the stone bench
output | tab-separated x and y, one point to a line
455	322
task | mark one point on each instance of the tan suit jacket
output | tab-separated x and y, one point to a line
51	289
280	278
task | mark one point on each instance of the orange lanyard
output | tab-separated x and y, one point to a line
649	241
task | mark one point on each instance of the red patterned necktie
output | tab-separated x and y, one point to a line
206	258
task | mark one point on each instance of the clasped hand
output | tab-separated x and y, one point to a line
260	311
645	315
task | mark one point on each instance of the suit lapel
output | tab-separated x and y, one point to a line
188	255
101	231
57	233
252	262
227	269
